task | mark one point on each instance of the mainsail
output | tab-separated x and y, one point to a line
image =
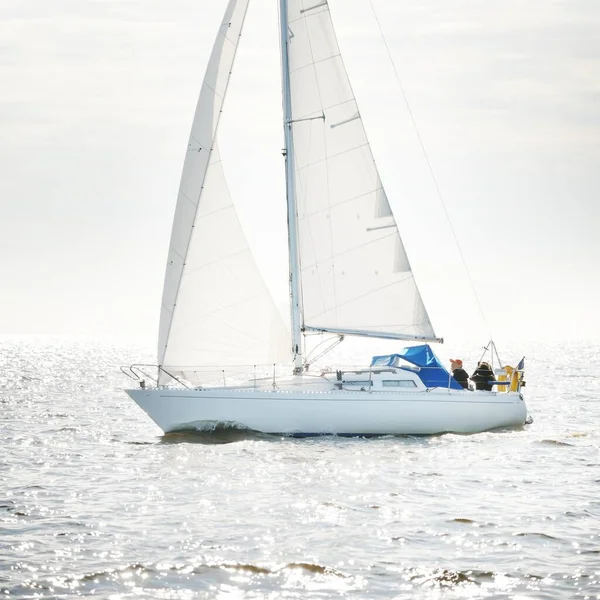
355	274
216	309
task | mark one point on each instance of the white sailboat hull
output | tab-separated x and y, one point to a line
333	412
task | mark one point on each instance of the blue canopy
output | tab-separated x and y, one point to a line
431	372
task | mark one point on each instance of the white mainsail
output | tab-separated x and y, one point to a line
216	309
355	274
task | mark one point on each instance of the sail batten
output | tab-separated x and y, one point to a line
355	274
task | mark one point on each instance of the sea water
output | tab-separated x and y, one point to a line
94	500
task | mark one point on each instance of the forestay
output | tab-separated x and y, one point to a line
216	309
355	274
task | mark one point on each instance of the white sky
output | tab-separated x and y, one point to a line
95	110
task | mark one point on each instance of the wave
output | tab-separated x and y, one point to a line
535	534
553	443
461	520
444	578
211	432
448	578
144	571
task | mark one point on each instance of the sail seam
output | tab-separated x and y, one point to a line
212	262
231	41
163	305
214	212
178	254
318	212
366	295
212	89
316	62
194	204
340	254
227	307
321	160
192	137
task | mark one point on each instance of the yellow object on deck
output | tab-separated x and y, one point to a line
512	377
503	376
515	382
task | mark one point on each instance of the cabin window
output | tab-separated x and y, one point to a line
357	382
398	383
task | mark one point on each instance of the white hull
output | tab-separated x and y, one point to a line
333	412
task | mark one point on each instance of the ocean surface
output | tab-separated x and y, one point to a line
94	500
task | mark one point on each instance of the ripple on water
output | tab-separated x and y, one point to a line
96	501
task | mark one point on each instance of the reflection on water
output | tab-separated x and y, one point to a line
227	435
95	501
216	435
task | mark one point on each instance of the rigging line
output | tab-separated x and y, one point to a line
430	168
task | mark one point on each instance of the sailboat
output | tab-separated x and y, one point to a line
223	346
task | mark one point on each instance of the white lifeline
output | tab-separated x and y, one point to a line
349	271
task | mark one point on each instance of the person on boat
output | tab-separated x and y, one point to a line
456	365
482	376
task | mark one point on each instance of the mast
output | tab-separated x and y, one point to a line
290	190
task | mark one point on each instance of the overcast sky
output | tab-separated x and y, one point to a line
95	110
